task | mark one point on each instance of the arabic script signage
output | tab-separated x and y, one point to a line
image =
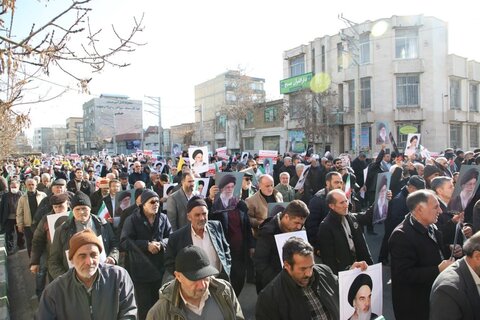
295	83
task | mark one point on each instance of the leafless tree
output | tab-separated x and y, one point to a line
63	43
317	114
242	96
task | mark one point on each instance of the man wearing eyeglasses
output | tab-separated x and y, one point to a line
81	220
144	237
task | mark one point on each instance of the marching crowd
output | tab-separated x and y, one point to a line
122	246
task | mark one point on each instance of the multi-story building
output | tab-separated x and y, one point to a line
74	142
108	116
398	71
151	140
50	140
218	108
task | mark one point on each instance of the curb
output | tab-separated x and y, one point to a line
4	307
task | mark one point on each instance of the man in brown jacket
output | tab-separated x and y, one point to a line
258	203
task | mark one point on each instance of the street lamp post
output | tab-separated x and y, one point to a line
115	131
158	106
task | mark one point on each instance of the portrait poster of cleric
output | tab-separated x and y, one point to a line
198	159
361	293
229	190
382	133
465	188
381	202
413	143
200	187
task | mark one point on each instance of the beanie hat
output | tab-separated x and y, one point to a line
81	238
138	192
147	194
430	170
59	182
80	199
195	201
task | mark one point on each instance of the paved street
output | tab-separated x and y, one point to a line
23	301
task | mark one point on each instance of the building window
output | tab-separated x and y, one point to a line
271	143
340	96
230	97
408	90
455	135
295	106
256	86
313	60
473	101
351	94
221	123
249	118
297	66
323	58
406	43
339	56
364	48
365	94
366	133
402	138
248	143
455	94
270	114
473	136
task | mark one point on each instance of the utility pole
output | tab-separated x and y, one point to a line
158	106
354	50
200	109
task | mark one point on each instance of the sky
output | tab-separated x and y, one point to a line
189	42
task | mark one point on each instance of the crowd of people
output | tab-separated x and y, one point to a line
131	237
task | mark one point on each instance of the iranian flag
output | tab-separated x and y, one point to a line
103	212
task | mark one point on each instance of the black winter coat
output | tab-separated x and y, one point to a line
144	266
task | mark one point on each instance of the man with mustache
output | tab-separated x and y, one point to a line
195	293
100	291
303	290
203	233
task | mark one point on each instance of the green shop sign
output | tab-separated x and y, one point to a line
295	83
408	129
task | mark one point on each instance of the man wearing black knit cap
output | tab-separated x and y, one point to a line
202	233
144	237
359	297
82	219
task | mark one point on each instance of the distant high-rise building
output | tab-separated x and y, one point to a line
109	116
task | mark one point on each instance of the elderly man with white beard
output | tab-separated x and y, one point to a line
359	297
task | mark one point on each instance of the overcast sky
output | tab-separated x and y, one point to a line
189	42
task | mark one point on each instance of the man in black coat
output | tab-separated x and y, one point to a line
78	183
266	259
302	290
318	206
397	210
418	256
455	291
340	237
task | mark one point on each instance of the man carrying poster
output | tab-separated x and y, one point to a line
303	289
